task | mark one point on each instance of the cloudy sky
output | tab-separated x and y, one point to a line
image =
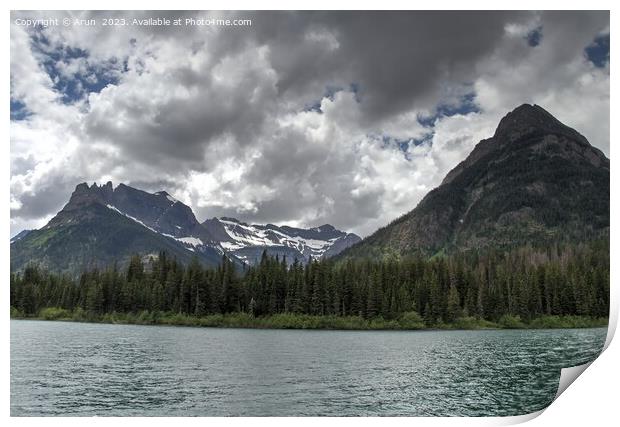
301	118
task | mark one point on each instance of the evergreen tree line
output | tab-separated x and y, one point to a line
567	279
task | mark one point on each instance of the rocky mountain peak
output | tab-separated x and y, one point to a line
230	219
84	195
534	181
163	193
529	120
533	125
159	211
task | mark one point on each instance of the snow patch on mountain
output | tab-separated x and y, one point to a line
132	218
306	243
168	196
190	241
20	235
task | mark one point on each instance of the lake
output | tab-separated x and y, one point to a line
64	368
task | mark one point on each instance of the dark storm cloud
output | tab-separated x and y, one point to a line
573	29
48	198
397	59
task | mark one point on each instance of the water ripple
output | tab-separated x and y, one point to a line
122	370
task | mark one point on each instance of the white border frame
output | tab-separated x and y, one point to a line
591	400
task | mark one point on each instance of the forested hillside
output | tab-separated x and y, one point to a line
523	283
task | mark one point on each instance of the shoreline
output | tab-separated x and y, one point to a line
310	322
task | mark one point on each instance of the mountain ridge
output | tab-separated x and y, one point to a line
247	241
511	189
136	221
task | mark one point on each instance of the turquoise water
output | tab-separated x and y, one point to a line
64	368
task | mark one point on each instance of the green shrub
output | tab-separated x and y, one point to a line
146	317
471	322
411	320
79	315
511	322
54	313
407	321
381	323
16	313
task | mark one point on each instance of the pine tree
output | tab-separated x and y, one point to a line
454	305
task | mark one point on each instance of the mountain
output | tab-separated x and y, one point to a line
20	235
101	225
247	242
535	181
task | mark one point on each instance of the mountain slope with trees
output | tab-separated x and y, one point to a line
101	225
536	181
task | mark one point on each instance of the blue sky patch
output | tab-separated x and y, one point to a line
598	51
18	110
330	93
466	106
404	144
534	37
74	85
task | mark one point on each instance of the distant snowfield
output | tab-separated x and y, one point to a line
251	236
